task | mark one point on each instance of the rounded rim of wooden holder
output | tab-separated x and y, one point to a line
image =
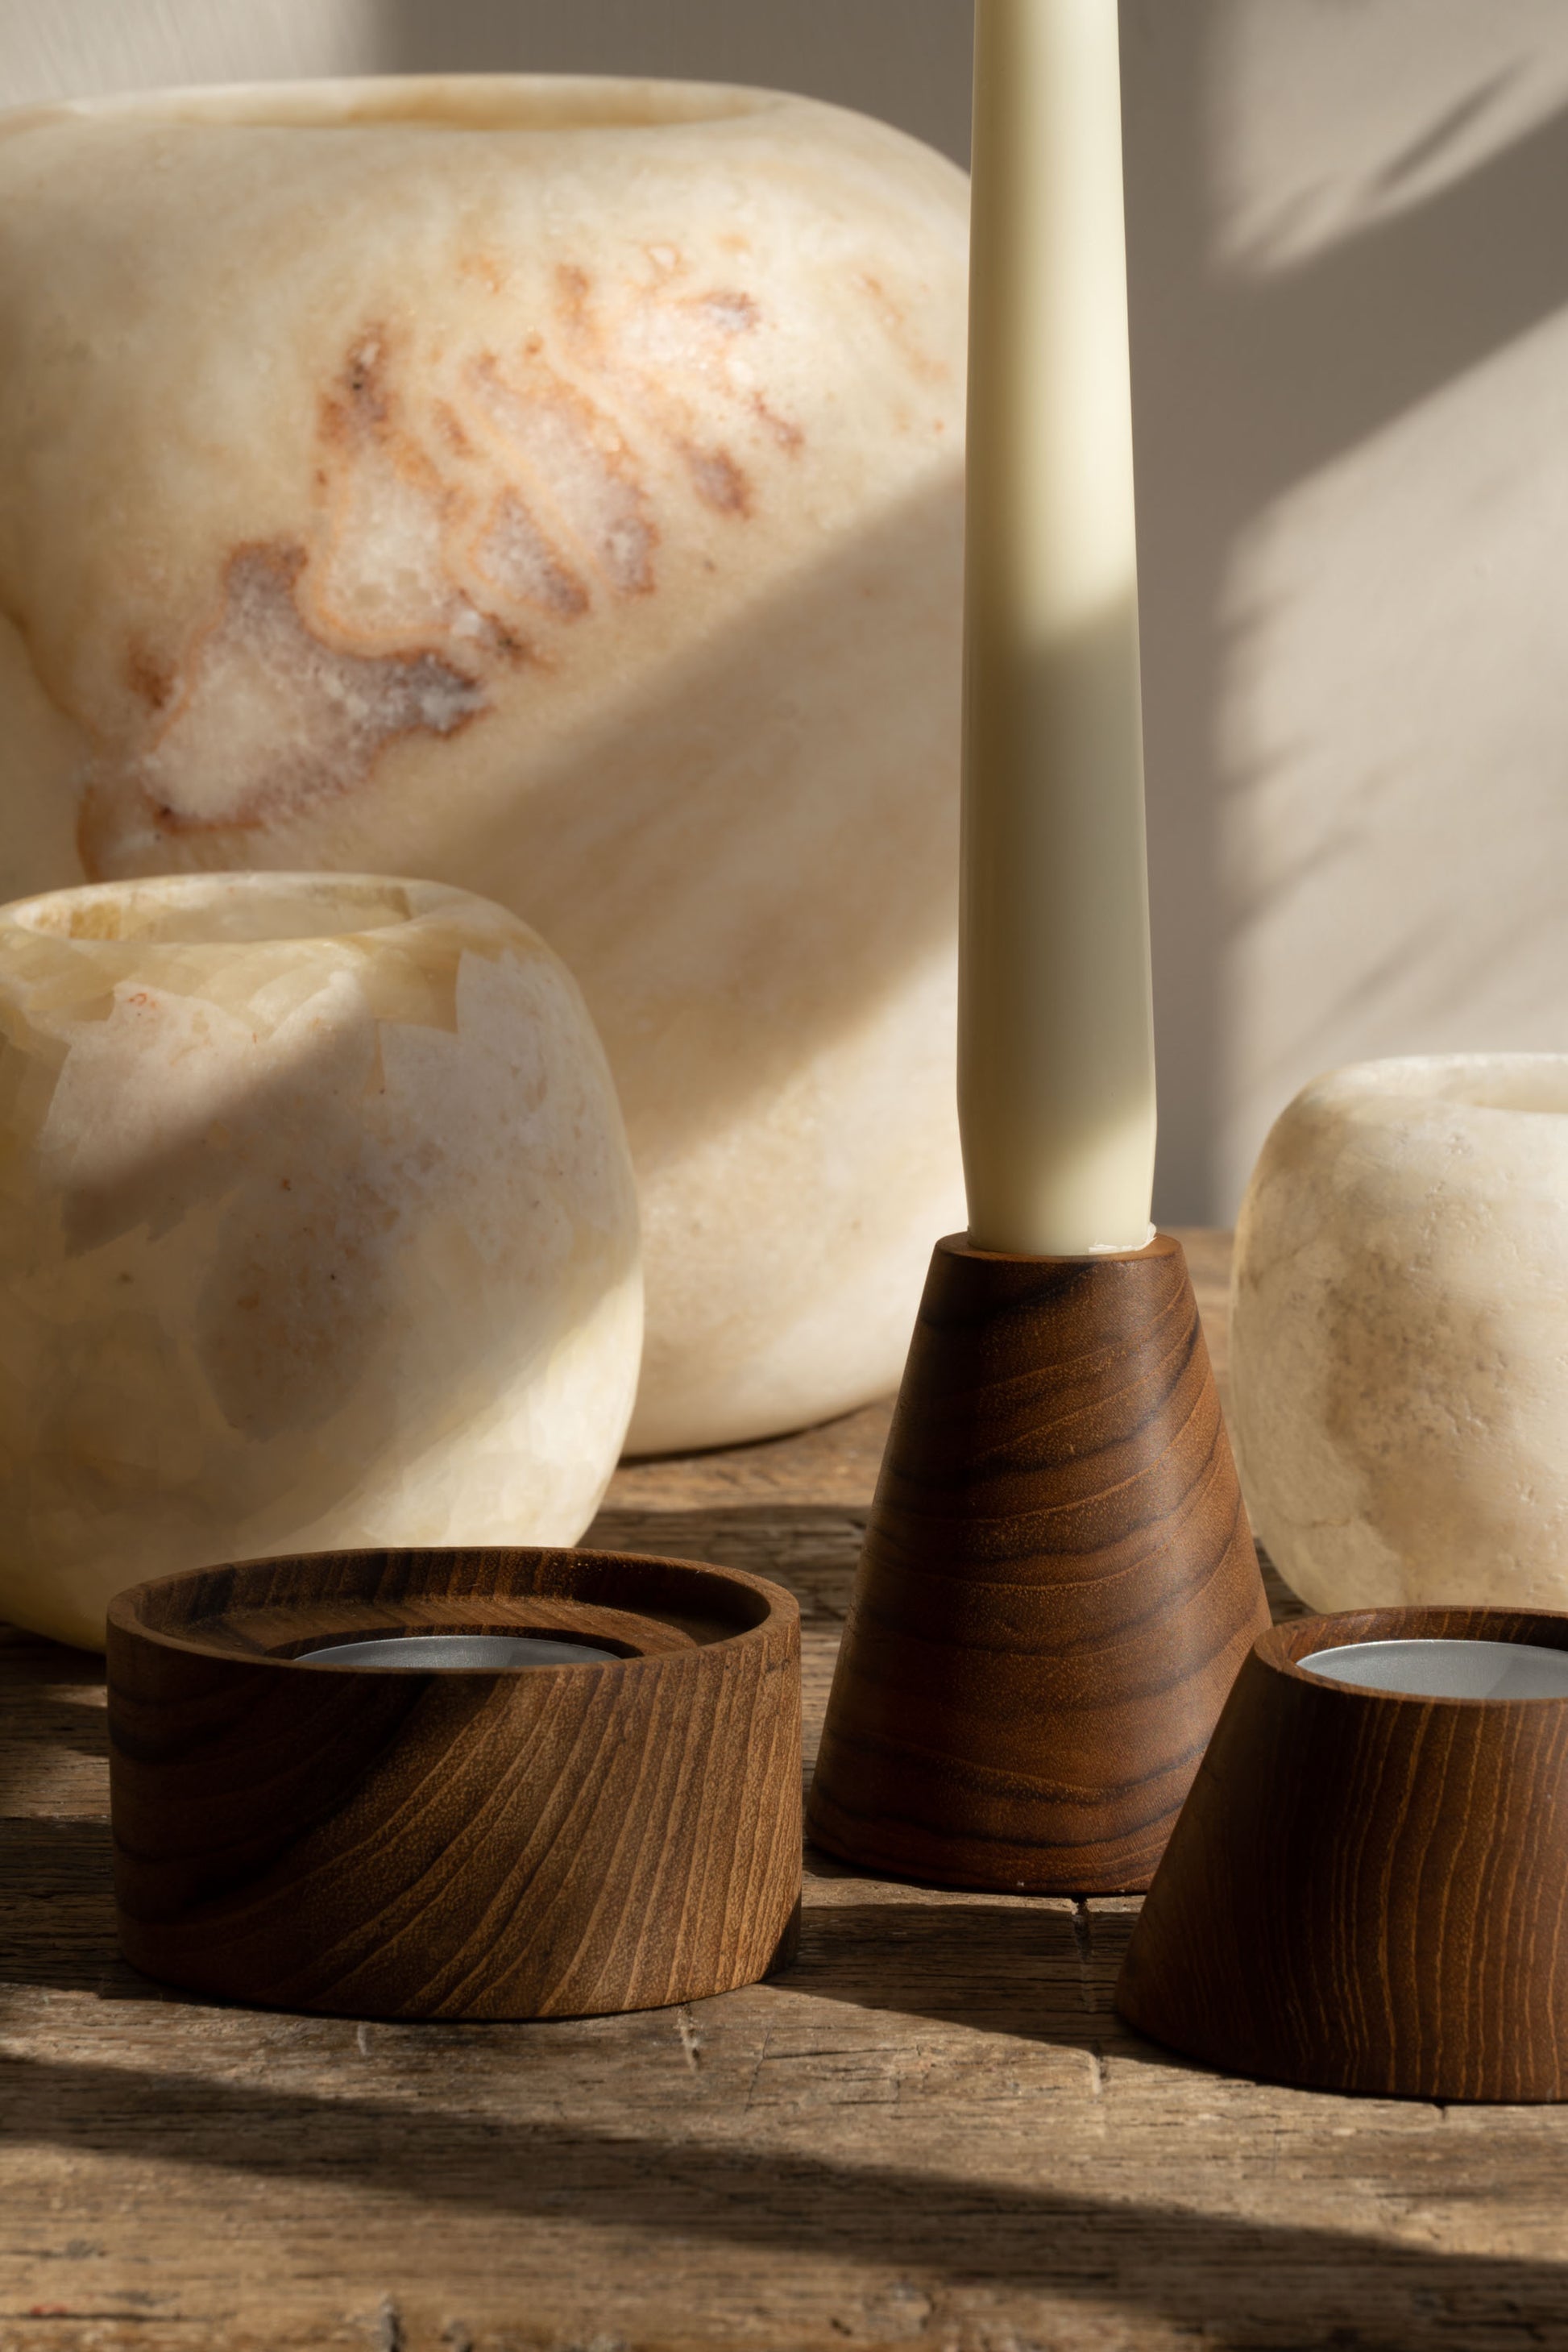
219	1611
1285	1645
472	1841
1366	1888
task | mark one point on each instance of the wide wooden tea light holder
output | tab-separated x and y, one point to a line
1058	1584
1367	1890
615	1830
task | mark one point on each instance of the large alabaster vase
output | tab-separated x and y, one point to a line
553	488
318	1231
1399	1348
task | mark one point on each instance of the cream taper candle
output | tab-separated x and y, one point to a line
1055	1025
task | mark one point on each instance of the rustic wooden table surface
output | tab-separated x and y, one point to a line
931	2134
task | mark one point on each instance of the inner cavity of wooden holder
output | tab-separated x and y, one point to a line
289	1609
1472	1655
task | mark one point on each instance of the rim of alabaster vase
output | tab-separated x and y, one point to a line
1460	1081
546	104
76	919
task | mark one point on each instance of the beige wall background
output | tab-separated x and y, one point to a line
1348	233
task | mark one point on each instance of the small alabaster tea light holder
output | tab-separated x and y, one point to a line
1367	1887
320	1231
577	1791
1399	1384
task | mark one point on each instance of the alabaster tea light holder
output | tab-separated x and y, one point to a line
1367	1889
456	1783
1399	1385
320	1231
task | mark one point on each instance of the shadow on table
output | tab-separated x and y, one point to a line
1240	2281
1001	1967
1016	1967
37	1727
57	1921
811	1548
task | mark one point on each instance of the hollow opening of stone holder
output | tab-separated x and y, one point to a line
456	1653
1438	1667
526	102
219	910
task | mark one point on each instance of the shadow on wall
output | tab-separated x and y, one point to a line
1244	382
1244	386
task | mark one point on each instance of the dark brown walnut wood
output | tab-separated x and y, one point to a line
1057	1588
932	2130
558	1840
1369	1892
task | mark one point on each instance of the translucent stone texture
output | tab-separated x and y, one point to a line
319	1230
553	488
1399	1342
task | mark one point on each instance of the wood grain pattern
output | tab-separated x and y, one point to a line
555	1842
932	2133
1057	1588
1366	1891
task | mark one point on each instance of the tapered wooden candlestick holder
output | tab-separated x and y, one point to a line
1057	1588
536	1841
1367	1890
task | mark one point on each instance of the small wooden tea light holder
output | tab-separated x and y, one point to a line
1058	1584
1368	1887
306	1819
